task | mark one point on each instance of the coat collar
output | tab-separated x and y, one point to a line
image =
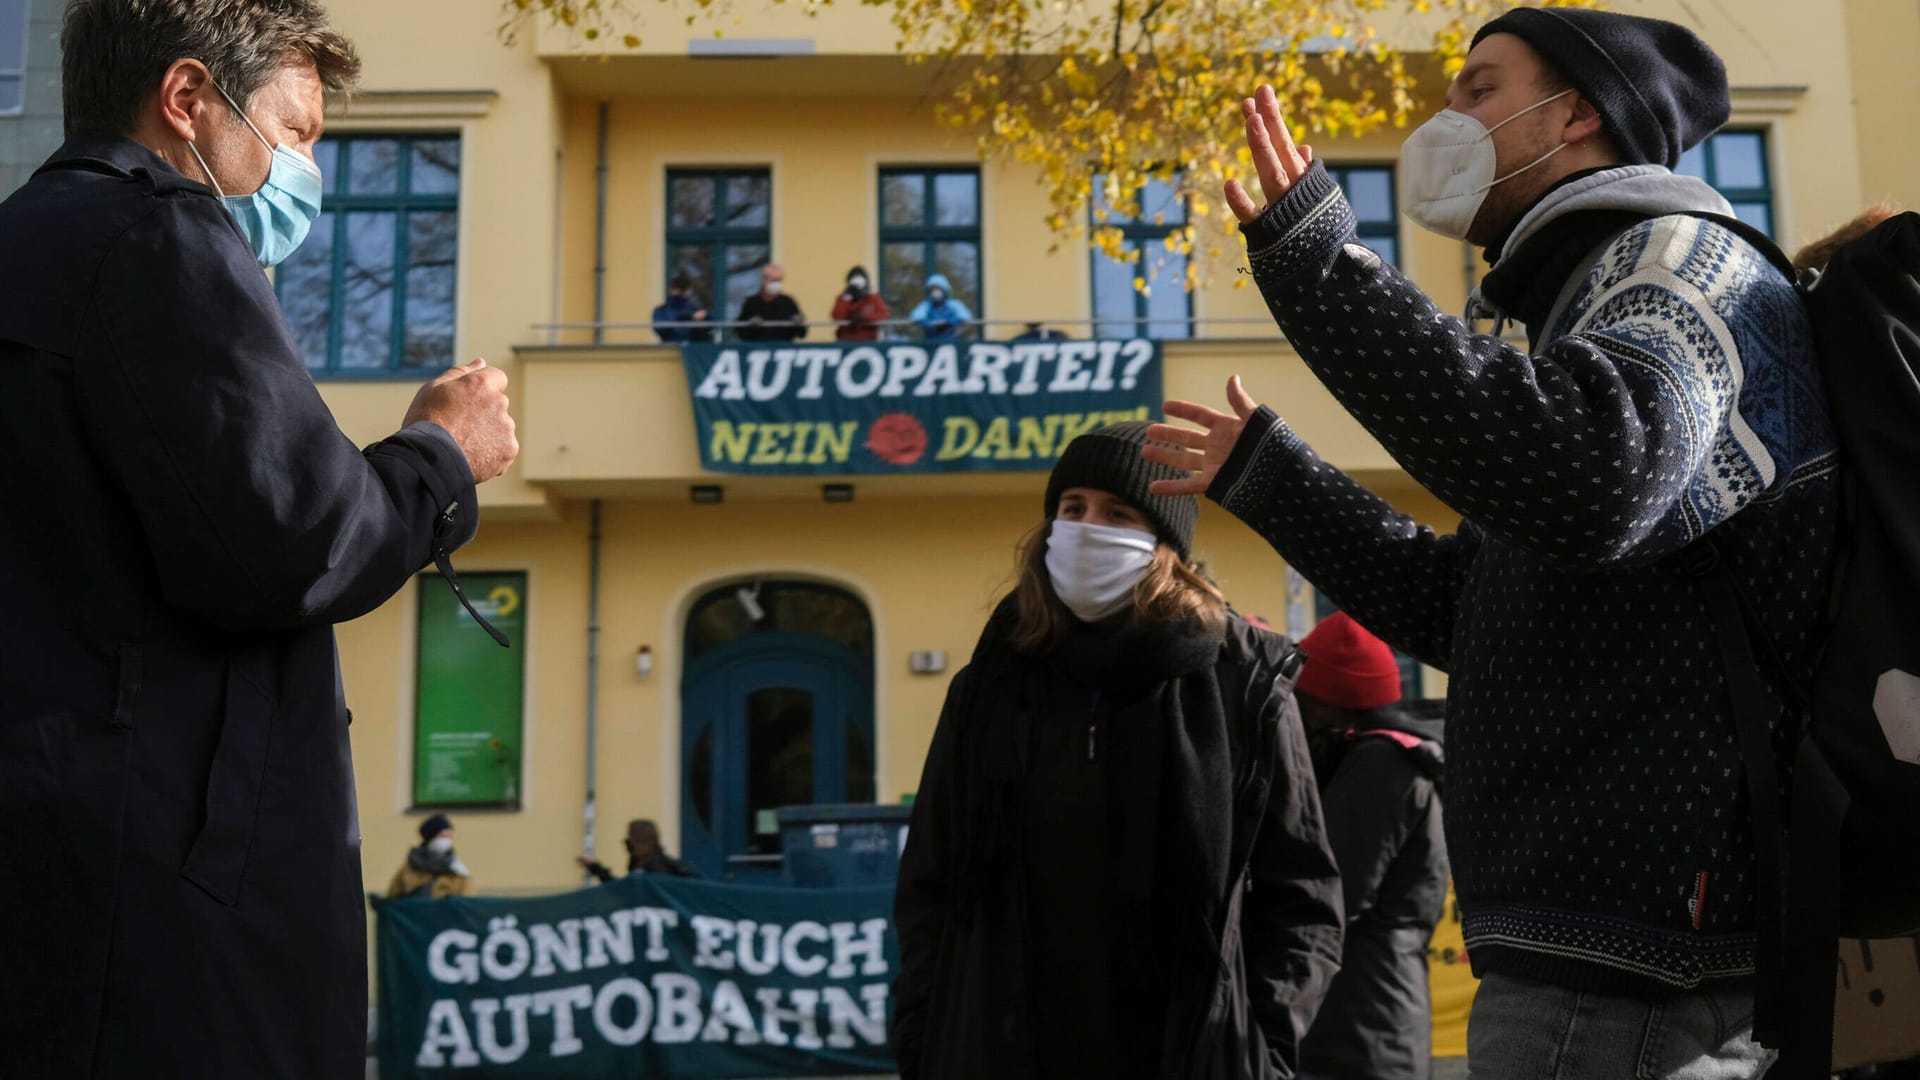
122	157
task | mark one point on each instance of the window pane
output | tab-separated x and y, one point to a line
1103	212
1693	163
695	261
1739	160
960	261
956	198
326	154
13	42
690	202
903	273
1758	215
1167	297
903	199
375	165
305	284
436	167
749	201
743	273
9	93
431	248
1371	193
779	760
1114	298
367	291
1160	204
700	776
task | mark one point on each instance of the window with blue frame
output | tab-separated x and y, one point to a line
371	291
1735	163
929	224
13	55
720	233
1410	681
1369	190
1146	294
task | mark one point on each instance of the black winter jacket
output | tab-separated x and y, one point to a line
182	895
1251	907
1380	787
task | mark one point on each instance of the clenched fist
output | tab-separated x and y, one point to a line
470	402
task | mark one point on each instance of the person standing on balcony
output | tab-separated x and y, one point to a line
671	319
859	310
942	316
770	314
1116	866
1668	399
182	893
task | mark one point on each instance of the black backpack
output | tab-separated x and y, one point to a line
1841	856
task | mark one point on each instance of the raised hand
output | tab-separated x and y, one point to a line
1275	157
1198	453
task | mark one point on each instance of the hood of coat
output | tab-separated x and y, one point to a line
939	281
1644	190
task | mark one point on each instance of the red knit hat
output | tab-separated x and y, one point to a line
1348	667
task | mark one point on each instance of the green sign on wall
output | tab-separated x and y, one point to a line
469	698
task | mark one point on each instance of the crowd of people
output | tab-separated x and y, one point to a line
859	313
1247	854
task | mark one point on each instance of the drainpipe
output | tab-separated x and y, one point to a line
593	669
600	232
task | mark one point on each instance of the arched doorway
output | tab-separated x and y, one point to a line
776	710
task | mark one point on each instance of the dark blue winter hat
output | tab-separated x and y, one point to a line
1659	89
434	826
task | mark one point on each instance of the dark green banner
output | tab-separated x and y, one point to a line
647	976
898	407
469	694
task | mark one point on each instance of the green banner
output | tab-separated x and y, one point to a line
891	407
470	694
646	976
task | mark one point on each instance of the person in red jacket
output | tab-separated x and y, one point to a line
859	310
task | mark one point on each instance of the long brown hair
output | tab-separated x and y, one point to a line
1173	590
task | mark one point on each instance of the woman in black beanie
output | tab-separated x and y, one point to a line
1116	866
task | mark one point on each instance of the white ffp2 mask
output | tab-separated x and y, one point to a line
1446	169
1095	567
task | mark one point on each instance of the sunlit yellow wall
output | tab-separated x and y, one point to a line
1829	82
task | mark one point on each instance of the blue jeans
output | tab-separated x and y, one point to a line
1521	1030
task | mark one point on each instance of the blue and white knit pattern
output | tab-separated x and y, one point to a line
1595	807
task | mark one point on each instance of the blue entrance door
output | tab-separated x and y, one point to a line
771	719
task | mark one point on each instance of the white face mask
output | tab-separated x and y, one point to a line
1095	567
774	288
856	283
1446	169
440	845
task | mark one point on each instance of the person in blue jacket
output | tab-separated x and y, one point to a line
681	307
941	316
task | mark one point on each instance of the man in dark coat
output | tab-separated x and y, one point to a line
1378	761
183	893
644	855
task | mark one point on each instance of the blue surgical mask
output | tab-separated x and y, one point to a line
275	219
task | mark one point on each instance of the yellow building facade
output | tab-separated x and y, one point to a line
542	200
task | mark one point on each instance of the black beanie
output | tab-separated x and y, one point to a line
1658	88
434	826
1109	460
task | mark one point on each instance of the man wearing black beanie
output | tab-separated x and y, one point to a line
1666	414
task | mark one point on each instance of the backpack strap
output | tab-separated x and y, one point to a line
1753	730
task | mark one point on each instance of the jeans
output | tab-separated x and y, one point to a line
1522	1030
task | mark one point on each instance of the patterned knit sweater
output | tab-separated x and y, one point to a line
1596	815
